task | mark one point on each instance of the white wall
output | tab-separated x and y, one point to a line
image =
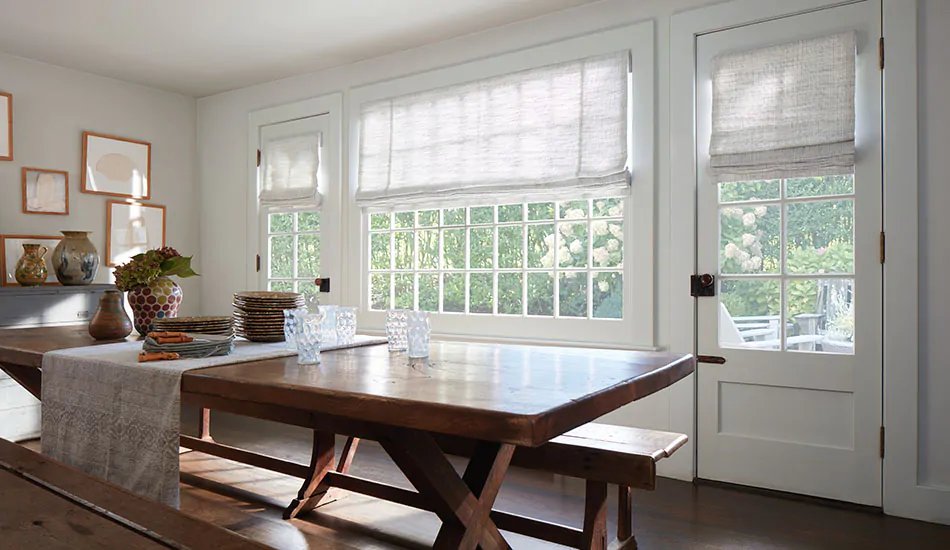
934	246
53	106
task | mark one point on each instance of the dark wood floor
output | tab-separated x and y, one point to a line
676	515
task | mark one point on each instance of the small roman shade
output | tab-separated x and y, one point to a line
784	111
289	171
555	131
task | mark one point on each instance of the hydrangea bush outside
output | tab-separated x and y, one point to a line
547	259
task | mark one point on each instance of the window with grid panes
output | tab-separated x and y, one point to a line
293	251
544	259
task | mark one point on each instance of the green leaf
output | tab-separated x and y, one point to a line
179	266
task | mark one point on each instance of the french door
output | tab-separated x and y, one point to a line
797	315
293	239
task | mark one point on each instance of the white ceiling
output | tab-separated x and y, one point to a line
202	47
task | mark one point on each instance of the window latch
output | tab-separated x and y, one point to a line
702	286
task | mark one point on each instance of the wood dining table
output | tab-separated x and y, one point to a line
501	396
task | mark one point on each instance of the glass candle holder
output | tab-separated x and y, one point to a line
309	336
291	323
345	324
397	329
329	323
419	333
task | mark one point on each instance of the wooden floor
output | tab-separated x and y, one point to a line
676	515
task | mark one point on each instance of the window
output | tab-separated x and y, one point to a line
293	251
513	197
787	242
544	259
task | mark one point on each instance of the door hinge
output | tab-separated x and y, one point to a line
880	53
258	158
883	247
882	441
258	263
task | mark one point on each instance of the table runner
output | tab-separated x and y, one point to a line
112	417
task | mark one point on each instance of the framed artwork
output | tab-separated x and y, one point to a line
45	191
11	250
6	126
133	228
115	166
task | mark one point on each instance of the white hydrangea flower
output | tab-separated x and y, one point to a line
564	256
731	250
575	214
567	229
548	259
748	219
747	239
601	256
600	205
761	211
616	231
614	211
549	240
756	262
613	245
599	228
604	286
576	247
742	256
747	265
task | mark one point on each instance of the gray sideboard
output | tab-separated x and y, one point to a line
22	307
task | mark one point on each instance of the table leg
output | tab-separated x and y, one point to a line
204	425
595	516
312	491
463	504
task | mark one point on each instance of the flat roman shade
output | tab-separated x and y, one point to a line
784	111
290	171
555	131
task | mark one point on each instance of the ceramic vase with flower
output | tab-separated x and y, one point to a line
31	268
160	299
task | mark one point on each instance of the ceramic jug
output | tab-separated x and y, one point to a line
110	321
31	269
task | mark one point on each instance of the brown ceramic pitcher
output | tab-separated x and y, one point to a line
110	321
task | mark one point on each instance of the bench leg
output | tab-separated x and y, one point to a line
625	518
595	516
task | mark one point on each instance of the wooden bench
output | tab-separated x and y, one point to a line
601	454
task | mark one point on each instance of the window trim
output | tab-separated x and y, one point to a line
637	329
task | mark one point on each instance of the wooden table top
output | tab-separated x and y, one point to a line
524	395
45	504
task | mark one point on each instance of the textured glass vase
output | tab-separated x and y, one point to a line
419	333
309	335
397	329
345	324
329	323
291	324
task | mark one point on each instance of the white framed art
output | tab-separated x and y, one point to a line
117	167
45	191
132	228
6	126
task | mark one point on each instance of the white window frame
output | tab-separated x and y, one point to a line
636	330
329	184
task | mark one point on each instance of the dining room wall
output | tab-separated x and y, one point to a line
53	106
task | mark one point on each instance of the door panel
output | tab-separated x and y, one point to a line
798	312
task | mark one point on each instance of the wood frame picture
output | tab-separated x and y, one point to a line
116	167
11	250
132	228
6	126
45	191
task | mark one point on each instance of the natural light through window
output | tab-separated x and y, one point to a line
543	259
293	251
787	264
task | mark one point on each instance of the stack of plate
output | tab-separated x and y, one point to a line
204	345
259	316
202	325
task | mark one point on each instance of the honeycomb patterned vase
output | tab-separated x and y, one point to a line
155	301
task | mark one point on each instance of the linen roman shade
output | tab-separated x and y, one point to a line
559	130
289	174
784	111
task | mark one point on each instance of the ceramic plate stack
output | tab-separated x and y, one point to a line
259	316
201	325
